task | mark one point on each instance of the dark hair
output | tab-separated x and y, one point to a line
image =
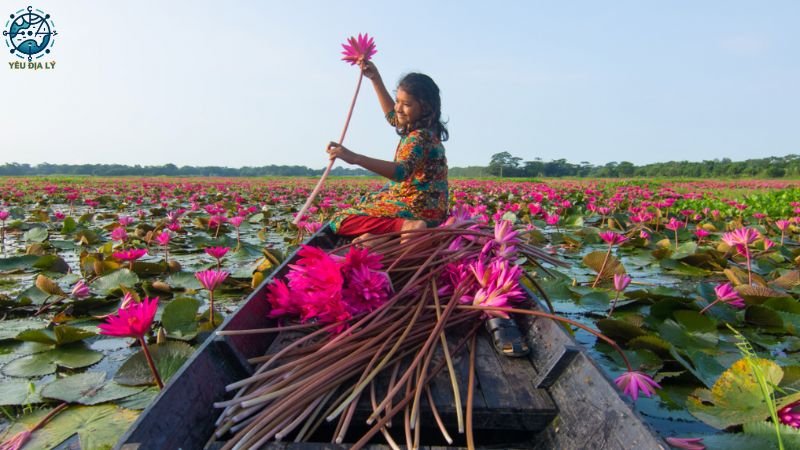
425	91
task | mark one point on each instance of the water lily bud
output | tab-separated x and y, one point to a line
161	336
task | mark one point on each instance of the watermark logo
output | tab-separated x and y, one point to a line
30	34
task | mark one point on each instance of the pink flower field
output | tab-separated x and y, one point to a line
696	281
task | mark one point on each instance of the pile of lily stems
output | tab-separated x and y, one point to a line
321	376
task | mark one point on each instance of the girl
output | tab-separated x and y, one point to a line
416	195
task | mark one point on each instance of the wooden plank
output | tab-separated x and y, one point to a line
557	365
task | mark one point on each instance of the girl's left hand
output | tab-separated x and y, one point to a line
339	151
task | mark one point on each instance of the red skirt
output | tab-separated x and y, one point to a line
358	225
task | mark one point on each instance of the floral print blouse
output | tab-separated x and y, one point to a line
417	191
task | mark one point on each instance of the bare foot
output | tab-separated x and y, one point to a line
410	225
369	240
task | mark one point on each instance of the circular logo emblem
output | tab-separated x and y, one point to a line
29	33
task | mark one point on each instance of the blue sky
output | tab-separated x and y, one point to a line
257	83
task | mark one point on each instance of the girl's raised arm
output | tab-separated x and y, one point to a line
385	99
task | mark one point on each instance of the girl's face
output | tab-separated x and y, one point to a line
407	109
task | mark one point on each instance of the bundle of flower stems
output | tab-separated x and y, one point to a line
321	376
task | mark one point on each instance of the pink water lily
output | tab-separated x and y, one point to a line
80	290
119	234
134	321
130	255
790	415
633	382
612	238
741	236
358	49
686	443
17	441
499	285
125	220
217	253
726	293
505	241
741	240
621	281
782	225
211	279
163	238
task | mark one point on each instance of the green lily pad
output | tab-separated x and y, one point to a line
88	388
168	358
185	280
59	335
735	398
619	329
738	441
682	338
653	343
72	356
784	304
694	321
97	427
36	234
139	400
115	280
682	268
684	250
9	329
19	393
179	317
659	293
52	263
68	226
765	430
763	317
256	218
17	262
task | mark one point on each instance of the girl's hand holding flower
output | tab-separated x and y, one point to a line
369	70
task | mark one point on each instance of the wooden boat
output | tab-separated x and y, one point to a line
555	398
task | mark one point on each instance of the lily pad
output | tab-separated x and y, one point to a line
139	400
88	388
97	427
765	430
168	357
59	335
11	328
51	263
735	398
17	262
594	260
653	343
185	280
72	356
619	329
18	393
684	250
683	338
68	226
179	317
115	280
36	234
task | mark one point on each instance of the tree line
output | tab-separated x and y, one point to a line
114	170
501	164
506	165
